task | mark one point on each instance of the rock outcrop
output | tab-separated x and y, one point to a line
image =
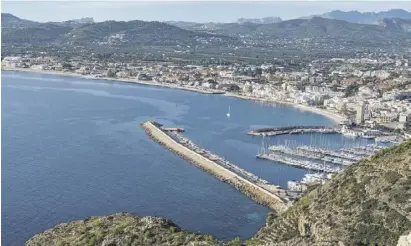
405	240
119	229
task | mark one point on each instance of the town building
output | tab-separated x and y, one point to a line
360	114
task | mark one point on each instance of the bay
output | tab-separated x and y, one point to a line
73	148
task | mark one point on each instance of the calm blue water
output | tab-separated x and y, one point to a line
73	148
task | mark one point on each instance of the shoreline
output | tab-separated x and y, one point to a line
125	80
336	118
330	115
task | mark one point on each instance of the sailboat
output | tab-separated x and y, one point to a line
229	110
261	150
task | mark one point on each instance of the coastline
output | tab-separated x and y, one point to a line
336	118
126	80
330	115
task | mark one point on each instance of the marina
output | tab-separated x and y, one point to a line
316	158
309	157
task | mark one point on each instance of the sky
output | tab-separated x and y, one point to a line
196	11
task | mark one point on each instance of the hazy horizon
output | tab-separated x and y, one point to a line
194	11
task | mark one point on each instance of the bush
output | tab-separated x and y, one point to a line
351	90
392	177
148	234
253	242
235	242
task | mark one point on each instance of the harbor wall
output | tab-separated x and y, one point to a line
274	131
255	192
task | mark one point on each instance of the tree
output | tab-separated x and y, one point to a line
67	66
407	126
235	242
258	72
111	73
344	109
351	90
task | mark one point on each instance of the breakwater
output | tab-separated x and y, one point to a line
274	131
252	190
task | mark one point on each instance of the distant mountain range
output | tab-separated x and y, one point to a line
395	24
11	21
326	28
315	27
265	20
87	32
128	34
364	17
75	22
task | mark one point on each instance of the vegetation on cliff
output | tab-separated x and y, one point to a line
368	204
119	229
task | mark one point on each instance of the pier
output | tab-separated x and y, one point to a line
353	157
249	184
311	154
274	131
308	157
299	163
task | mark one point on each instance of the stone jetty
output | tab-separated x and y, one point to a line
274	131
252	190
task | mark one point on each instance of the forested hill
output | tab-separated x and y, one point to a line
113	33
134	33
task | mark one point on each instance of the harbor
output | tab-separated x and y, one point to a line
258	189
316	158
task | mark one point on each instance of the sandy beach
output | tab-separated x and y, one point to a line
331	115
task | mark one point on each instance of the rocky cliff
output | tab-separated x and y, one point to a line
368	204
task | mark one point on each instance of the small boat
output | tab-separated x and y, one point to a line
229	110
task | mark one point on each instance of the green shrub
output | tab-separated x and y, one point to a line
253	242
235	242
392	177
